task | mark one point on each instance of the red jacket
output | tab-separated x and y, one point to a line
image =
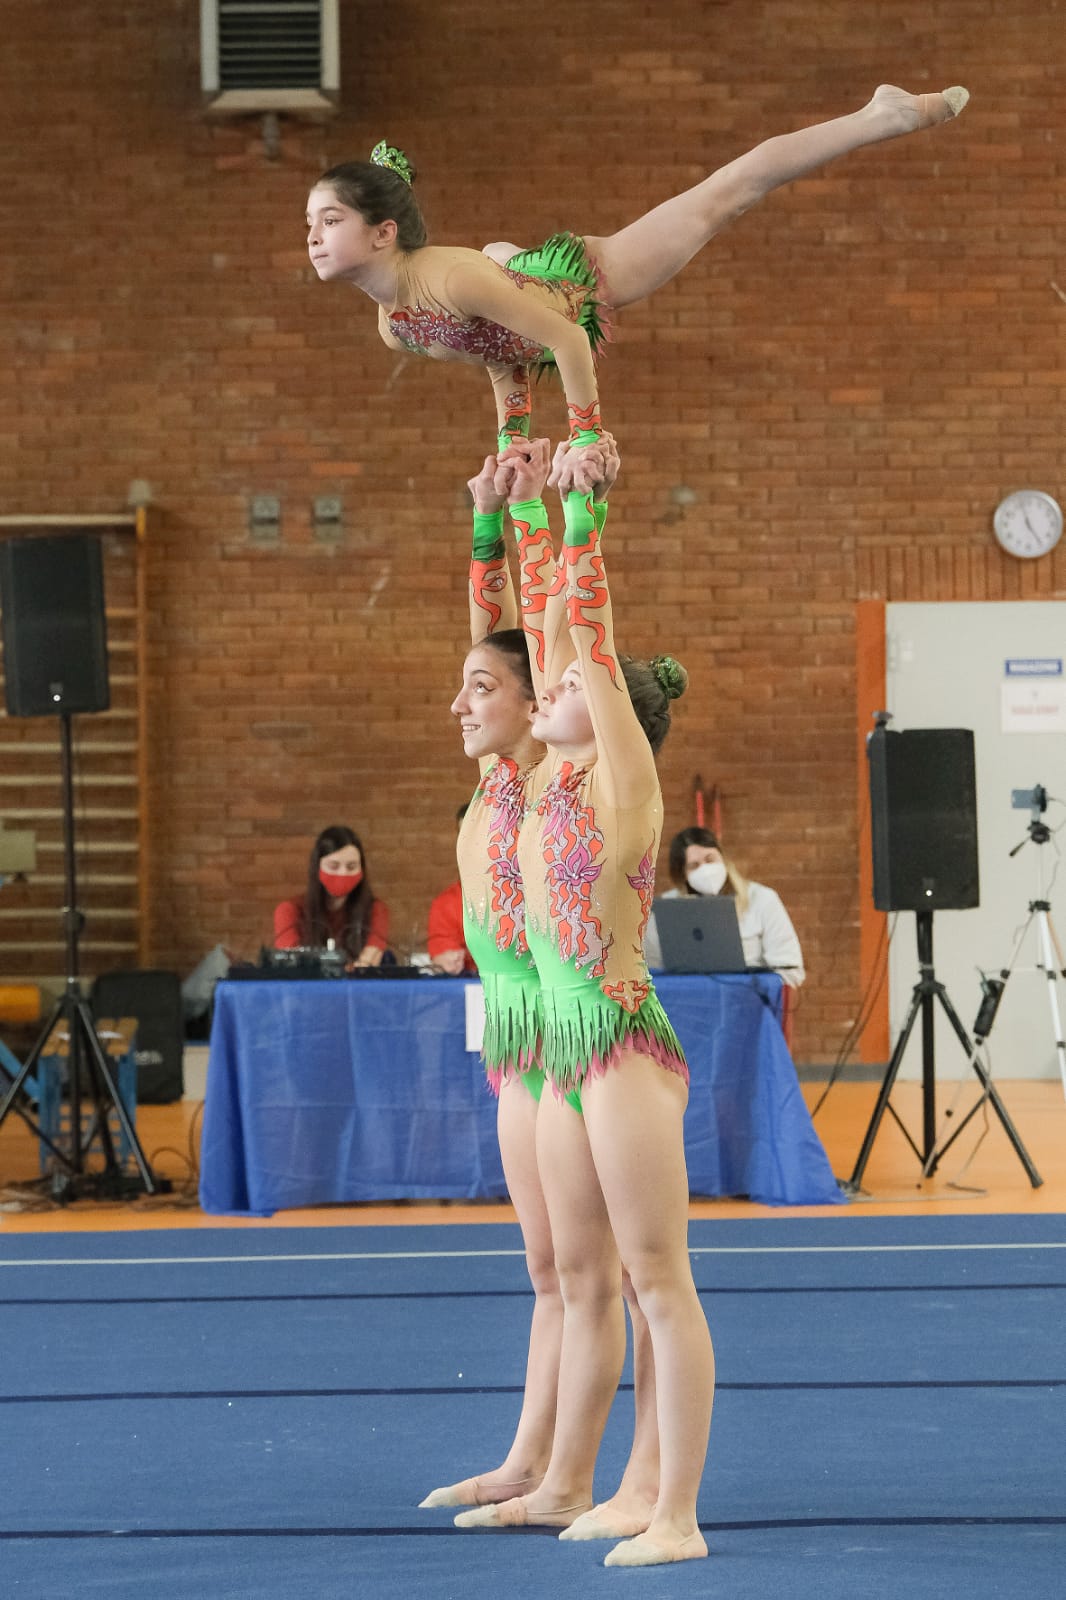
446	925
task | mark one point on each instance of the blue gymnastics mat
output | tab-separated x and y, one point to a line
257	1412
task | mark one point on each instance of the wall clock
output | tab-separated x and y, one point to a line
1028	523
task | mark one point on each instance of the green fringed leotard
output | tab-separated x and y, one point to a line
494	924
587	848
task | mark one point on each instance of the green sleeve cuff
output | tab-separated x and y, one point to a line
580	521
530	511
488	541
599	511
517	428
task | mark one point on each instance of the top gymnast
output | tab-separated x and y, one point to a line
522	311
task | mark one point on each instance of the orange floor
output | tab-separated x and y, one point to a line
994	1180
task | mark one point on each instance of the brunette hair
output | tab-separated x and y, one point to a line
379	195
511	644
735	882
358	903
652	685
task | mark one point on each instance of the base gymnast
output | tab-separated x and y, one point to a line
614	1174
519	312
495	707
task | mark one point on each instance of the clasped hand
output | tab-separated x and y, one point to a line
521	472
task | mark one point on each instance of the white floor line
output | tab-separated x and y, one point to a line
455	1255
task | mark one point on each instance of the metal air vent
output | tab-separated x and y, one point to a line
270	55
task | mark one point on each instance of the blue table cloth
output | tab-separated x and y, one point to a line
353	1090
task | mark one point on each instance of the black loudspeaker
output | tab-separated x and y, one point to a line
154	998
923	817
54	629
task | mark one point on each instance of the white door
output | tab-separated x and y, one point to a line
990	667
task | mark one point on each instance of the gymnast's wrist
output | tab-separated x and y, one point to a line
488	538
526	510
580	522
579	437
515	430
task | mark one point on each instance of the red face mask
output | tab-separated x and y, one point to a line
339	883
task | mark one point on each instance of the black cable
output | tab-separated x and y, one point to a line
866	1005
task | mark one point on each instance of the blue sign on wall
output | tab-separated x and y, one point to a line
1034	667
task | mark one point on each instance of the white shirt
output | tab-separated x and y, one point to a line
766	932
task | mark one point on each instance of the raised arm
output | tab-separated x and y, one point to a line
528	462
492	598
624	756
510	385
543	578
481	289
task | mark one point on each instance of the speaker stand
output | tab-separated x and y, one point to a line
926	993
86	1053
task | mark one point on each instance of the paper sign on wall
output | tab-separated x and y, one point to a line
475	1017
1033	705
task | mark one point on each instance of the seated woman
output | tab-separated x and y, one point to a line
338	910
698	865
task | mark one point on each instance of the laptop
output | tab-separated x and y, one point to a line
700	933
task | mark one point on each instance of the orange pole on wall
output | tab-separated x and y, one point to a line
873	953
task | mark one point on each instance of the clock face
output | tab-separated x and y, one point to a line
1028	523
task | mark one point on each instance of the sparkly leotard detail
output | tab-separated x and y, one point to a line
419	328
559	273
571	848
503	792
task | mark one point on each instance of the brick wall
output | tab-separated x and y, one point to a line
847	381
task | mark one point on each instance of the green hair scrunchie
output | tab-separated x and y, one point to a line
387	155
670	675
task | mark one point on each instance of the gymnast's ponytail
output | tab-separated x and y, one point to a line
652	685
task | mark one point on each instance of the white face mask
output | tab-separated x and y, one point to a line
708	878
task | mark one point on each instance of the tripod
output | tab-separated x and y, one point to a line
1040	913
86	1055
927	991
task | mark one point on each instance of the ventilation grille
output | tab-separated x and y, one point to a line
269	55
269	44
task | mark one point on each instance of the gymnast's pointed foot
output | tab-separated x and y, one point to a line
899	112
648	1551
519	1513
610	1521
478	1491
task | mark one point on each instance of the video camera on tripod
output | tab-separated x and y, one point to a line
1031	800
1035	802
1050	961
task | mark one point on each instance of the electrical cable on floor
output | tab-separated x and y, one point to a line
982	1053
866	1005
35	1194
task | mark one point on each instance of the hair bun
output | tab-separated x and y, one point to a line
389	155
670	676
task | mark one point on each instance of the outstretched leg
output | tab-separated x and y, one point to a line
642	257
523	1466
